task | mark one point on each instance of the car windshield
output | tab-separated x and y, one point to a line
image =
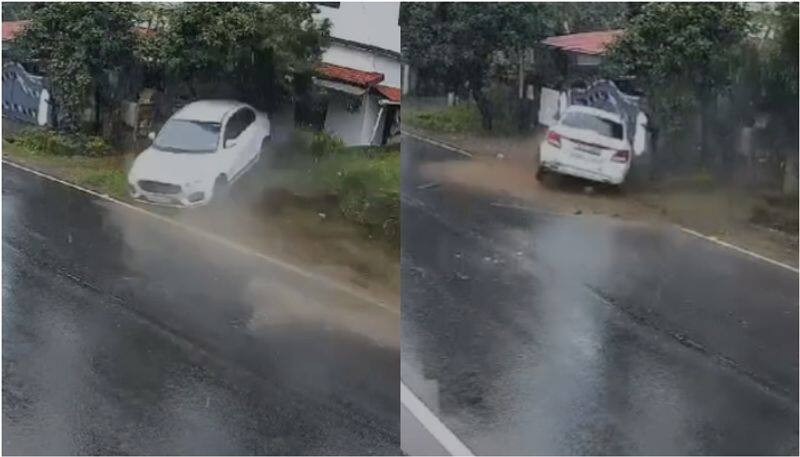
179	135
588	121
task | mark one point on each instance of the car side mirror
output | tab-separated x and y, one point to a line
152	136
229	143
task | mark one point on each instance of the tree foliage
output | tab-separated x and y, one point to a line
678	41
17	11
681	53
78	45
456	43
578	17
782	49
259	47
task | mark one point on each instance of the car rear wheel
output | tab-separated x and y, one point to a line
540	172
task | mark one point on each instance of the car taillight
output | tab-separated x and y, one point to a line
621	156
554	138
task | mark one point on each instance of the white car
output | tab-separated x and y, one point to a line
588	143
199	152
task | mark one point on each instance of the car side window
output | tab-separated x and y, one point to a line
248	117
235	126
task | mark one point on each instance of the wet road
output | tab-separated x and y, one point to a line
126	335
533	333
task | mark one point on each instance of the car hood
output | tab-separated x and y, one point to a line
171	167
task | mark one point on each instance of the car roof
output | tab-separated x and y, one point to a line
207	110
595	112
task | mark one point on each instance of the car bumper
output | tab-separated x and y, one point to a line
180	200
549	159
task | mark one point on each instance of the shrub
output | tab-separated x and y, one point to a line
366	182
50	142
323	144
463	117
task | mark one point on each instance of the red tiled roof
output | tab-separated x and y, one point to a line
349	75
12	28
585	43
392	93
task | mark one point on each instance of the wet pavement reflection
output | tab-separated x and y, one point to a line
122	334
531	333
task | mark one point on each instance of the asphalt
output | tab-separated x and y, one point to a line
528	332
126	335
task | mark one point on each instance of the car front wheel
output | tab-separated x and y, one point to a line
221	188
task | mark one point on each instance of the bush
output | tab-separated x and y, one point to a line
323	144
463	117
50	142
366	182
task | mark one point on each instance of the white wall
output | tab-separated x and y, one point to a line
360	59
342	123
356	128
371	23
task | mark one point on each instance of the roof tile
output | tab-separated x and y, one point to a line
349	75
593	43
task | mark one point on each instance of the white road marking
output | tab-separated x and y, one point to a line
737	248
216	238
432	424
438	143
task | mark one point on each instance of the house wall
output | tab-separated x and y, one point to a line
360	59
366	36
340	122
371	111
355	128
376	24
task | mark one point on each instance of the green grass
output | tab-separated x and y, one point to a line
103	174
366	183
452	119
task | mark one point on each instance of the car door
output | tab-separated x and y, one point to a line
249	135
233	146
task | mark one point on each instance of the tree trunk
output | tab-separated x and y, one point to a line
97	127
484	107
708	110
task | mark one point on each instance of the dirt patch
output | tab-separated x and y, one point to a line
306	230
505	169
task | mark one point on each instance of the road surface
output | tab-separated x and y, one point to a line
126	335
527	332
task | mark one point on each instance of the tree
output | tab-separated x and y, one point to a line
17	11
457	43
578	17
681	53
262	48
780	85
79	46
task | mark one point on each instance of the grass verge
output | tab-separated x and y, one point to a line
459	118
106	174
365	182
